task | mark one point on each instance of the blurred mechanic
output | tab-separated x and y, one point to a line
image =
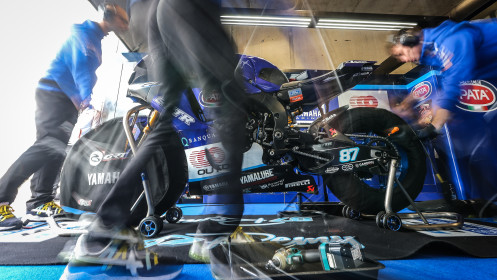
466	55
188	48
64	90
463	51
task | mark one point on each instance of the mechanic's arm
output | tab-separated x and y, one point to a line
441	117
84	65
458	55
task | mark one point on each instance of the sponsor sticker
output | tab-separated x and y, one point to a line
333	132
258	177
269	185
215	186
198	158
347	167
209	98
183	116
363	101
477	96
308	117
421	91
97	157
102	178
364	98
295	95
331	170
298	184
364	163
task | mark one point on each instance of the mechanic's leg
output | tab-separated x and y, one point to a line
27	164
46	175
115	210
200	45
55	117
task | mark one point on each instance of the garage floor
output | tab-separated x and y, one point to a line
433	261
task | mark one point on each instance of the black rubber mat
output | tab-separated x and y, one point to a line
40	246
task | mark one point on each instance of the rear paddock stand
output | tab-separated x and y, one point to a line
388	219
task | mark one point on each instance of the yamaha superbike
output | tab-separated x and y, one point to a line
361	154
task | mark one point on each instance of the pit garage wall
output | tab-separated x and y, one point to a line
310	48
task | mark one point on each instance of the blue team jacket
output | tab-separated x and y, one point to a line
462	51
75	64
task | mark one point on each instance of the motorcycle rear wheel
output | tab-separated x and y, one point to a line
354	191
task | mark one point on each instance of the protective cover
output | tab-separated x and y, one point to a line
96	161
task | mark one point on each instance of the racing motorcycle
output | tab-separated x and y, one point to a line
361	154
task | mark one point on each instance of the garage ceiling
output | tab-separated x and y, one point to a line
424	12
418	8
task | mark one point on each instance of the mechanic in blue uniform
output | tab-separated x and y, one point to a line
65	89
465	53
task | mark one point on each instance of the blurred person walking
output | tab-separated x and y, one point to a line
188	48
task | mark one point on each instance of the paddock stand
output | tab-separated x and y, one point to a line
388	219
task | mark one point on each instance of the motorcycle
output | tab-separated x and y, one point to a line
361	154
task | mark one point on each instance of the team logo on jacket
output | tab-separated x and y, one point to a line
363	101
421	91
477	96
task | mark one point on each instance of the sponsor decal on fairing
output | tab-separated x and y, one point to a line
347	167
183	116
267	186
331	170
308	117
199	158
295	95
477	96
209	98
258	177
363	101
298	184
215	186
364	163
199	167
364	98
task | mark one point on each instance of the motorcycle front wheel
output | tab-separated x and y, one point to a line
367	195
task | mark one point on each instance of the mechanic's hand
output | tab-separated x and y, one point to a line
85	103
427	133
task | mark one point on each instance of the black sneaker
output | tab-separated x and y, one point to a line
7	220
40	213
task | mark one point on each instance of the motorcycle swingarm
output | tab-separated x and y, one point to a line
348	158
